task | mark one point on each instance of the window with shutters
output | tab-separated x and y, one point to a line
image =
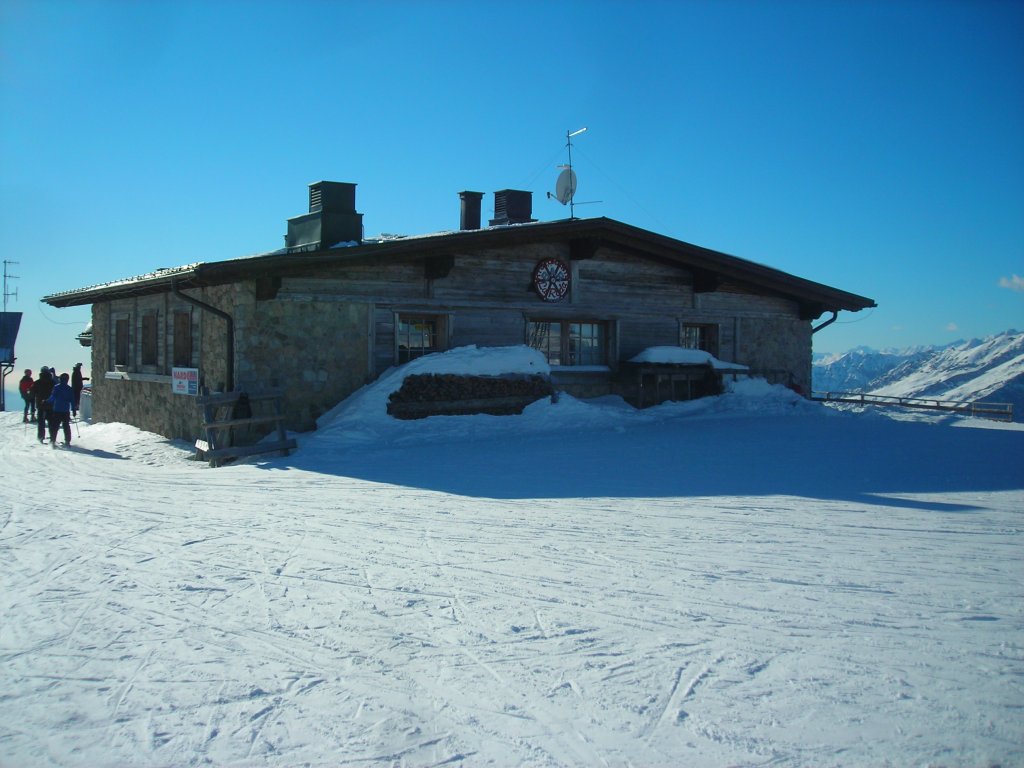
122	340
150	340
182	339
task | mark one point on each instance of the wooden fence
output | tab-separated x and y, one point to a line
995	411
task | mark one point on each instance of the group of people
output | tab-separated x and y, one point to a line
50	401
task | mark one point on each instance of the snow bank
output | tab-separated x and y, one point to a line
371	402
363	417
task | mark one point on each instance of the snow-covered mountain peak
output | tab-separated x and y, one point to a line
990	369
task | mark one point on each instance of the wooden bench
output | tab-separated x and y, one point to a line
219	427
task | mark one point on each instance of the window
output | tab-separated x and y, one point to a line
567	342
182	339
586	344
546	337
417	335
149	340
121	341
705	337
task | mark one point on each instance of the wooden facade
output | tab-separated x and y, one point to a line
317	323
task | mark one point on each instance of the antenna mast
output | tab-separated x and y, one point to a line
568	144
7	293
565	187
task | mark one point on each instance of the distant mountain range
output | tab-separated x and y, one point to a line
990	369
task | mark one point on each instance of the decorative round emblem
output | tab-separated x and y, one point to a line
551	279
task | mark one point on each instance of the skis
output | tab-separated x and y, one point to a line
55	444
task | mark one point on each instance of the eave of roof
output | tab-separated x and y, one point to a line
816	296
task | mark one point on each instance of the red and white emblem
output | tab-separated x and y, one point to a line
551	279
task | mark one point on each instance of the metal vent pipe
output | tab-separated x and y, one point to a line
469	217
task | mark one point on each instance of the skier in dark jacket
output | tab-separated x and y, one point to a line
77	385
41	390
60	401
25	387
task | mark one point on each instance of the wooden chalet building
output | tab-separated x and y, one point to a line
331	311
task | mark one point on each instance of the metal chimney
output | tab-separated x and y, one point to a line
470	213
512	206
332	218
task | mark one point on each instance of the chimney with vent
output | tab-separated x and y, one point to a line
470	213
332	218
512	206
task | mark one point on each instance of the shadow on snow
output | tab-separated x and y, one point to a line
843	458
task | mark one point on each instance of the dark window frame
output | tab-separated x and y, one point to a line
703	336
418	334
182	344
570	342
150	340
122	340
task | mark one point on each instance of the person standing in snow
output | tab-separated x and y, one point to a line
77	385
41	390
60	401
25	387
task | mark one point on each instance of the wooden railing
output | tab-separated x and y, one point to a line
219	427
995	411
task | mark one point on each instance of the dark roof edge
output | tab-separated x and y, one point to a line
822	297
152	282
698	257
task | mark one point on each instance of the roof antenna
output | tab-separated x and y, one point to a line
8	294
565	186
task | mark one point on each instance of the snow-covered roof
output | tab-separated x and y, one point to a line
710	268
163	273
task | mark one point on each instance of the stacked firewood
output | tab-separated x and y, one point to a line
444	393
439	387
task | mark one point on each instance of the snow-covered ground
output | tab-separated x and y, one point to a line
752	579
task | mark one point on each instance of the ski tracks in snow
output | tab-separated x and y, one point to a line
272	616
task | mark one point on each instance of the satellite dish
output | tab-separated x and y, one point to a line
565	187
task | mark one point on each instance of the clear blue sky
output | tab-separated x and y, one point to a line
874	146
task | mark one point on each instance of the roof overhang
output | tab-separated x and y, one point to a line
710	268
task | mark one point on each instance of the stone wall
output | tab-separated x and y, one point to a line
102	400
148	403
140	398
321	335
778	348
316	351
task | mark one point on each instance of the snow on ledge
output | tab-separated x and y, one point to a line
680	356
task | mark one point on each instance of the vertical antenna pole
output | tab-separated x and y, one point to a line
12	277
6	366
568	143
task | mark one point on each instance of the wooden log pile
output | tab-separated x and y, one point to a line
436	394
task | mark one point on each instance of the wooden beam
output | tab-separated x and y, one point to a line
811	311
583	248
706	282
251	450
267	287
437	267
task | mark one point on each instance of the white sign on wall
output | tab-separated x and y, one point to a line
185	381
